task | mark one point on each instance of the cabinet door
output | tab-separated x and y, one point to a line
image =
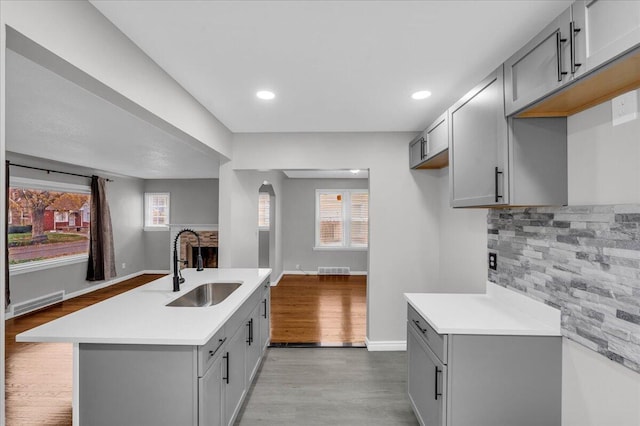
607	29
478	146
416	152
253	347
540	67
265	319
210	390
437	136
426	382
234	378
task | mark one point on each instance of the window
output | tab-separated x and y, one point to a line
156	208
342	219
42	233
264	205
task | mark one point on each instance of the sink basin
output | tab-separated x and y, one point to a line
206	295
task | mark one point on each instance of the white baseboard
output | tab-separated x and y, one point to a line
275	282
9	314
388	345
316	273
156	271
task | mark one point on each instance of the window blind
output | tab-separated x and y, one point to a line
359	218
264	205
331	220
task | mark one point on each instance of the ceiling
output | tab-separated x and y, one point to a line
334	65
53	118
326	174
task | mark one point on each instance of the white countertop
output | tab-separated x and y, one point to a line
499	311
140	316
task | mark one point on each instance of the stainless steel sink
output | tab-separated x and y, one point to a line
206	295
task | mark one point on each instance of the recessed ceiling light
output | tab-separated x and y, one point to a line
265	95
355	171
422	94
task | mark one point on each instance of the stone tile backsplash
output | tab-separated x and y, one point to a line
584	261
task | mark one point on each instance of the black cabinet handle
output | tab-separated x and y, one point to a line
437	394
221	342
497	172
265	307
227	358
249	332
417	323
572	34
559	41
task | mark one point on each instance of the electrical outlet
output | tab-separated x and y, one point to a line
297	266
124	266
493	261
624	107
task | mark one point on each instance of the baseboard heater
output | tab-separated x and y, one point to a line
40	302
334	270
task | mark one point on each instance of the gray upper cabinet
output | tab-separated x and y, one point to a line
429	149
496	161
598	39
437	136
417	153
477	146
542	66
594	43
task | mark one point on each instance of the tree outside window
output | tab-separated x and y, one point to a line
46	221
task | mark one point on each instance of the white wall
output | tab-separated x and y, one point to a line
299	216
403	212
604	168
125	197
462	245
77	33
192	201
238	218
604	160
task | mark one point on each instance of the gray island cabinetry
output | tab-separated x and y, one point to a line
488	365
140	362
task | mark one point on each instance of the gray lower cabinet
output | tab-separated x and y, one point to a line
210	393
483	380
425	385
134	384
495	161
253	349
235	377
265	317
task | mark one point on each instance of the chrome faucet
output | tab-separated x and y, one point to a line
177	276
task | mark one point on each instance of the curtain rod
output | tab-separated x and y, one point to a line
52	171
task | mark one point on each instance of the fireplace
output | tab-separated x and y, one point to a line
208	245
209	256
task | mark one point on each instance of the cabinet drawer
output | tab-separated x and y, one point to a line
436	342
208	353
240	317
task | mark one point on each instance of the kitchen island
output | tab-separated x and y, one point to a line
138	361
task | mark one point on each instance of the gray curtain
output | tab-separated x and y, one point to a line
102	264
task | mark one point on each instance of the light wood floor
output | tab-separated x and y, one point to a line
319	309
38	376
